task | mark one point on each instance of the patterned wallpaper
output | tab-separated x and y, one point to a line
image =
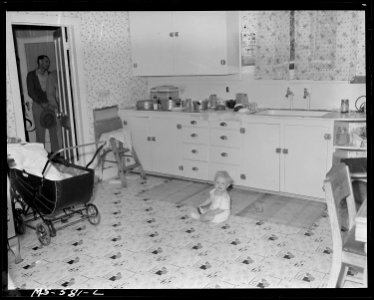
107	62
326	45
273	45
329	45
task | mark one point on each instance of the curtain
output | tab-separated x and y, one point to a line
272	55
329	45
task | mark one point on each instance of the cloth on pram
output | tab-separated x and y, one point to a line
32	157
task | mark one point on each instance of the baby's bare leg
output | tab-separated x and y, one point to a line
207	217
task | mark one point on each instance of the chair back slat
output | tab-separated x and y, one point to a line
106	119
338	187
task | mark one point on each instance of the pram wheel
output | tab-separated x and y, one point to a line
93	214
42	232
19	223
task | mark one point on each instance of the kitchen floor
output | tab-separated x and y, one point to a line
146	240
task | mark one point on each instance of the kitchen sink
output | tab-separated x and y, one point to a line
293	112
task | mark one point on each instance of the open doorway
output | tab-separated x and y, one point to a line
32	42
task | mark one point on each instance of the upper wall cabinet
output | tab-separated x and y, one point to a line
167	43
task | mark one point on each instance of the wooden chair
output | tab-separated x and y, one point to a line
106	120
346	250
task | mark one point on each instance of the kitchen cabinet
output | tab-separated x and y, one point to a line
350	137
260	167
195	137
225	147
286	156
167	43
305	158
157	142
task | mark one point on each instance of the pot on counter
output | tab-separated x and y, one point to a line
167	104
144	105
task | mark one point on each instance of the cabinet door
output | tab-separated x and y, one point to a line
151	43
167	147
141	139
260	165
200	44
305	164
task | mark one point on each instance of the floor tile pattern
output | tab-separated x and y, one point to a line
144	241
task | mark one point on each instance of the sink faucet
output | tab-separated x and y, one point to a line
289	93
307	95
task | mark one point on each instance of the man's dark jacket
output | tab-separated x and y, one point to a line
34	89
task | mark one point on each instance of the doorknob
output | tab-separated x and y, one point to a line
148	138
193	135
153	139
278	150
223	137
171	34
176	33
285	151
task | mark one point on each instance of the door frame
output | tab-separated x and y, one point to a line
21	42
76	68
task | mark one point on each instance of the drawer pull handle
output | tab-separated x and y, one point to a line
224	154
193	122
193	135
194	151
223	124
223	137
327	136
195	169
242	176
285	151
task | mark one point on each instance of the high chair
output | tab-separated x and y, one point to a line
346	250
108	127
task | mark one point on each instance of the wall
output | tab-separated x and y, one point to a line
107	60
267	93
271	93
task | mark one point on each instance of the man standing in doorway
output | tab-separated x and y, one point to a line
36	87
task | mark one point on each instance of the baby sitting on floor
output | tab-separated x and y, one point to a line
216	208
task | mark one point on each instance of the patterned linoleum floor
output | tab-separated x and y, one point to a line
150	242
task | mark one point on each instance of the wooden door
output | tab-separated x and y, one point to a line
141	139
167	146
151	42
305	164
260	161
200	44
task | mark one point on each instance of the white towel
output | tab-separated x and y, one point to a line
121	135
32	158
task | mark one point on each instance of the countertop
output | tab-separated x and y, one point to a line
230	114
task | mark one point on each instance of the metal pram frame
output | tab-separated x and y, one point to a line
53	201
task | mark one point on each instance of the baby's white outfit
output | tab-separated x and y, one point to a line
221	201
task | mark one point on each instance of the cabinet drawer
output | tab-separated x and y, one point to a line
225	124
195	122
196	135
195	152
195	169
224	155
231	169
226	138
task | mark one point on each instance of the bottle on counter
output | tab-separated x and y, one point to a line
344	106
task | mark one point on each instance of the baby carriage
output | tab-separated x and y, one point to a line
53	200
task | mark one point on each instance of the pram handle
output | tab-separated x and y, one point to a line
74	147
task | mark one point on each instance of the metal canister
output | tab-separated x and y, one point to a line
344	106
